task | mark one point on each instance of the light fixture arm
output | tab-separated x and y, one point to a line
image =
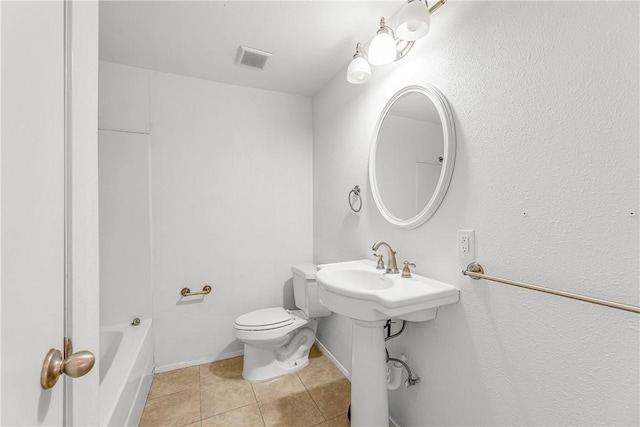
436	6
384	27
403	47
433	8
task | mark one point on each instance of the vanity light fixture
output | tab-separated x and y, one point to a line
359	70
388	46
382	49
414	21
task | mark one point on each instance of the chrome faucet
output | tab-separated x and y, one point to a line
392	265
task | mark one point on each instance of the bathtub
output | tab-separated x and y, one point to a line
126	365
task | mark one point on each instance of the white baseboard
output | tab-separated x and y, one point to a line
335	361
180	365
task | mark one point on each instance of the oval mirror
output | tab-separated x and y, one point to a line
412	155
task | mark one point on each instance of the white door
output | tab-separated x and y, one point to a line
32	216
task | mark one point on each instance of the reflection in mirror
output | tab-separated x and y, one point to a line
409	156
412	156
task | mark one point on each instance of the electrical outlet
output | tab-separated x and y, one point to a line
466	244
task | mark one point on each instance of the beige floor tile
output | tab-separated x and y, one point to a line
177	409
223	396
217	392
332	398
247	416
278	387
293	410
339	421
221	370
174	381
320	370
315	352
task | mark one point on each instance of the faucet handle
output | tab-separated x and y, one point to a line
406	271
380	265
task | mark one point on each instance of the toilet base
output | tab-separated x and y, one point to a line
263	363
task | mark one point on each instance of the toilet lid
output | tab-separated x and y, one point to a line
267	318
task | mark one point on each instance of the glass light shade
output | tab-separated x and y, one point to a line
415	21
359	71
382	49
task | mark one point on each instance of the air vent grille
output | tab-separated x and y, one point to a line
252	58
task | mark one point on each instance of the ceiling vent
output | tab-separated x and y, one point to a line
252	58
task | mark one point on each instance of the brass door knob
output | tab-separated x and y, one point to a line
74	365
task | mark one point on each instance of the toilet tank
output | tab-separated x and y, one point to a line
305	290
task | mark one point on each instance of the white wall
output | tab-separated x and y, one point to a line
125	195
546	107
125	227
231	202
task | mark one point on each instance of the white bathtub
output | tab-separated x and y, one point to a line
126	371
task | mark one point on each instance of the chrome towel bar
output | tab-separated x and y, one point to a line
186	292
475	271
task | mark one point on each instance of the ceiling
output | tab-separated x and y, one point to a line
310	40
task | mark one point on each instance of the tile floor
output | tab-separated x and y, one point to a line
215	394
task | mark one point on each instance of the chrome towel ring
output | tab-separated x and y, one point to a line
355	199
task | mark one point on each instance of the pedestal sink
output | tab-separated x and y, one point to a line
356	289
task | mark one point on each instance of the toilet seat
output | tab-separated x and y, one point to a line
264	319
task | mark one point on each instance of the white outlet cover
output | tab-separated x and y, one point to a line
466	244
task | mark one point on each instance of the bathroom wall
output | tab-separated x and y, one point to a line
124	193
545	100
231	202
125	226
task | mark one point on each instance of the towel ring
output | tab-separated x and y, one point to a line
356	192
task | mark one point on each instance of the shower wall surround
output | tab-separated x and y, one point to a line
231	201
547	120
124	195
125	240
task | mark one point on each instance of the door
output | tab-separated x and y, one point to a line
33	239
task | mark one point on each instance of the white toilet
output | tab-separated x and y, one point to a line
277	341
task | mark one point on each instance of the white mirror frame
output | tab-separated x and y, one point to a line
449	142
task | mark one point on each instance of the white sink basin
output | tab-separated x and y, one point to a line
357	281
356	289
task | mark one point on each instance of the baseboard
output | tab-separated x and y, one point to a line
335	361
180	365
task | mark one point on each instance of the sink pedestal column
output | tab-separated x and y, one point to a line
369	399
